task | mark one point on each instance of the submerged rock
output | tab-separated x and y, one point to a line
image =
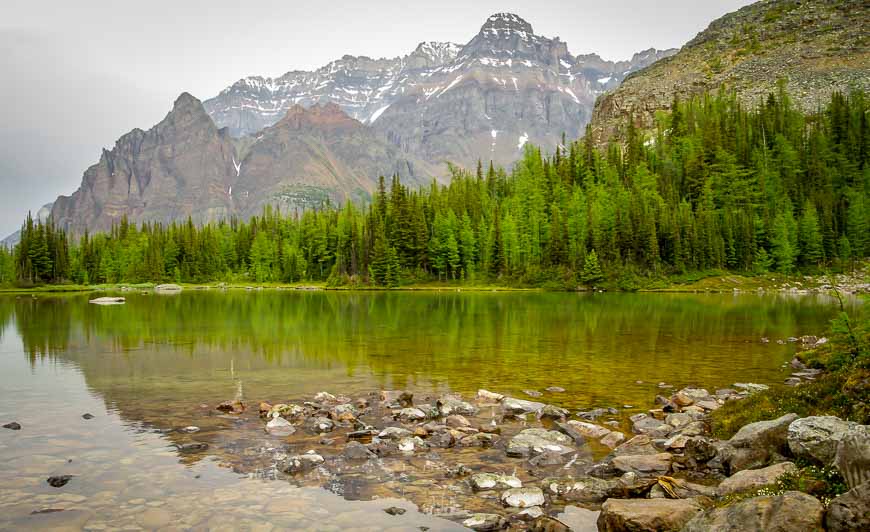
400	397
492	481
395	510
531	442
487	396
411	414
394	433
580	489
12	426
523	497
518	407
278	426
354	450
59	481
485	522
449	404
195	447
300	463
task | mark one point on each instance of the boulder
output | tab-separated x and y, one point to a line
613	440
411	414
108	301
518	407
644	464
531	442
789	512
640	444
300	463
850	511
493	481
641	515
449	404
646	424
485	522
853	456
552	412
579	430
394	433
354	450
754	478
278	426
319	424
579	489
523	497
488	397
816	438
167	288
771	435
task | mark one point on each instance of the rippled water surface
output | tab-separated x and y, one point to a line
158	363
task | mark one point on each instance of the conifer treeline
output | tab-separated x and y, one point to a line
715	186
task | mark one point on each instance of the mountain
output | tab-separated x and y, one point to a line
445	102
41	215
186	167
817	46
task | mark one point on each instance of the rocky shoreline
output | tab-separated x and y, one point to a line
497	462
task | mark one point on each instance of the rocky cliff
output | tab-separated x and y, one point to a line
816	46
186	167
445	102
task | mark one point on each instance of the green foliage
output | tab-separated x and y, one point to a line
714	187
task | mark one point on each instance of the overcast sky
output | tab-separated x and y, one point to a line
76	75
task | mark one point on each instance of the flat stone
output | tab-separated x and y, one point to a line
579	489
515	407
644	464
531	442
642	515
485	522
394	433
754	478
613	440
411	414
584	429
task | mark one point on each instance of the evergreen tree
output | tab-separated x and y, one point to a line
591	269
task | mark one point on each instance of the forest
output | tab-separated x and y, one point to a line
715	185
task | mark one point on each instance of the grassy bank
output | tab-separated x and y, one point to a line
842	390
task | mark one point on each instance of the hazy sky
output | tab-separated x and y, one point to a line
76	75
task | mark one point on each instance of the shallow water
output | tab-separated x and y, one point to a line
158	363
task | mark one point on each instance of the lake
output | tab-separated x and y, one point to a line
159	363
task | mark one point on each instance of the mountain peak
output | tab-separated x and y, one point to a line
329	114
185	101
505	23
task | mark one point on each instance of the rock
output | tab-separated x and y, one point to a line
319	424
531	513
816	438
486	396
154	518
195	447
411	414
485	522
492	481
579	489
354	450
59	481
441	439
678	420
754	478
362	435
516	407
853	456
108	301
532	393
640	444
791	511
523	497
190	429
231	407
850	511
579	430
531	442
552	412
751	387
641	515
410	444
286	411
264	408
613	439
12	426
401	397
87	416
770	435
395	510
645	424
573	519
699	449
343	412
555	389
644	464
457	421
324	397
300	463
394	433
169	287
476	440
278	426
449	404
